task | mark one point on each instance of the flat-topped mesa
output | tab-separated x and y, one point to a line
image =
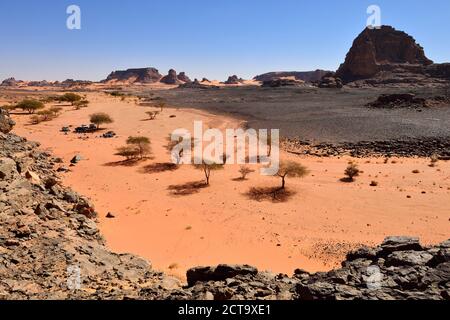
307	76
139	75
383	49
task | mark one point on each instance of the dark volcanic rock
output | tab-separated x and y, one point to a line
6	123
141	75
330	81
219	273
384	49
275	83
307	76
171	78
183	77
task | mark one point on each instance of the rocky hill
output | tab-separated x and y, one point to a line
51	248
307	76
389	56
140	75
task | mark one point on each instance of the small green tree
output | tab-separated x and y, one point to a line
100	118
80	104
55	110
352	171
290	169
30	105
71	97
207	167
142	144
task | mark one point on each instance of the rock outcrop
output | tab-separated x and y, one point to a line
307	76
330	81
275	83
51	248
170	78
234	79
6	123
183	77
140	75
10	82
388	56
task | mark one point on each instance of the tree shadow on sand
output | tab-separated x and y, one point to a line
159	167
187	188
273	194
125	163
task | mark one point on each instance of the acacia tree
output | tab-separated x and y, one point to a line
142	144
207	167
55	110
152	114
290	169
161	105
80	104
46	115
100	118
129	152
30	105
71	97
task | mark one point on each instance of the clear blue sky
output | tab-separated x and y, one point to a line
204	38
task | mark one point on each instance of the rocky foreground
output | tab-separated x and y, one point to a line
51	248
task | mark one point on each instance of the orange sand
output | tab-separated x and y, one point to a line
220	224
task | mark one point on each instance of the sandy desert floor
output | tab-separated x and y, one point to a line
220	224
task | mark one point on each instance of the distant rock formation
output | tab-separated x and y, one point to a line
183	77
205	80
140	75
43	83
171	78
10	82
330	81
307	76
6	123
233	80
382	50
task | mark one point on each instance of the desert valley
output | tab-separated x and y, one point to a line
374	137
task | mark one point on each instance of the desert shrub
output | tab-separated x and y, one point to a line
207	167
35	119
46	115
142	144
434	159
100	118
8	107
244	171
30	105
160	105
351	171
291	169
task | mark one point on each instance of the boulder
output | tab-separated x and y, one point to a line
219	273
8	168
6	123
408	258
400	243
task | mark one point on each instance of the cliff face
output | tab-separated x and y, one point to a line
384	49
143	75
51	248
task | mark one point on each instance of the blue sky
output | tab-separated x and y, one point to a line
204	38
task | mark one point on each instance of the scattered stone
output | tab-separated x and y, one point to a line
110	215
